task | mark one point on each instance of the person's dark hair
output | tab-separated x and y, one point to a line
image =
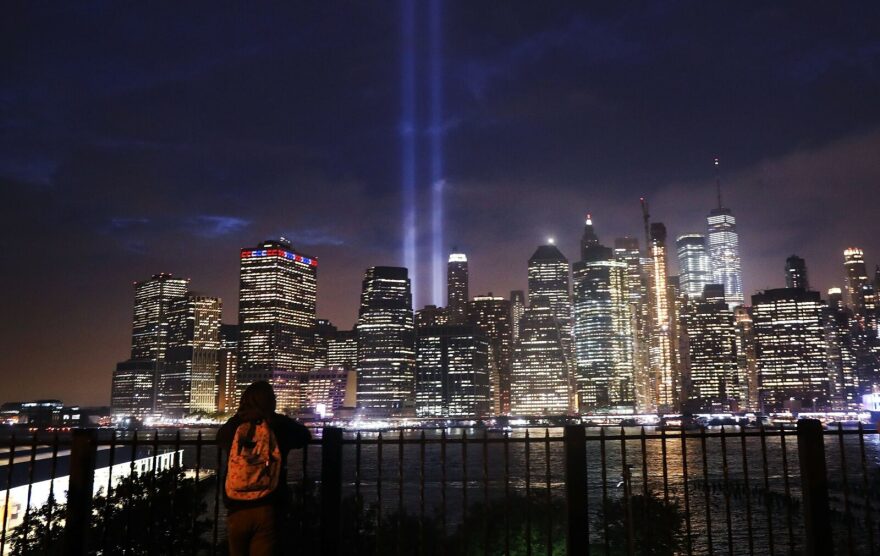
257	402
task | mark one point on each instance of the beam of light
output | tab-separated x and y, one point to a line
408	139
436	145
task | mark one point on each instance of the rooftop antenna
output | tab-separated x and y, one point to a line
718	181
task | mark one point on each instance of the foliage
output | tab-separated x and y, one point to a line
656	525
143	514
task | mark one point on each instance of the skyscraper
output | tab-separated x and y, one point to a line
540	369
227	362
626	250
276	318
453	372
711	348
602	329
746	358
589	238
724	250
664	381
841	350
861	295
491	316
694	268
342	350
517	309
324	333
135	381
790	348
796	273
188	381
431	315
549	286
457	288
386	342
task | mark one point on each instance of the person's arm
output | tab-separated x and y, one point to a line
296	434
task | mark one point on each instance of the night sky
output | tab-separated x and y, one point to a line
137	138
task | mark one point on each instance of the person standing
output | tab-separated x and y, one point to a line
255	492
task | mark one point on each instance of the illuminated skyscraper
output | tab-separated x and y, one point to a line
711	348
790	348
517	309
491	315
724	250
589	239
453	373
342	350
549	286
796	273
227	362
626	250
324	332
386	342
188	381
457	288
135	380
664	381
539	373
746	358
842	348
602	328
694	268
152	301
861	295
276	318
329	389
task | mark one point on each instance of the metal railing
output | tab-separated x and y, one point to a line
589	490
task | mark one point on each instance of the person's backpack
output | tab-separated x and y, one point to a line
254	464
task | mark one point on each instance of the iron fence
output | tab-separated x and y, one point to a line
588	490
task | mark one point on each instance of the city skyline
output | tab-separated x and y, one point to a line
144	148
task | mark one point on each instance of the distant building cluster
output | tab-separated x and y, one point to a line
613	332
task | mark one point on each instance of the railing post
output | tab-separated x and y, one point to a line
578	539
814	485
83	452
331	490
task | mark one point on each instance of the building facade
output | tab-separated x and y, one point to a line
540	382
457	288
492	317
386	343
723	244
276	319
712	381
452	379
694	268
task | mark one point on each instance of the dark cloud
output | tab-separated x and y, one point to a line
166	136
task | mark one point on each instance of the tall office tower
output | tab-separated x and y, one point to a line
790	347
841	351
431	315
135	380
602	328
855	280
746	358
711	349
276	319
549	285
517	309
133	391
188	381
152	301
227	363
626	249
694	269
589	239
457	288
386	342
342	350
539	381
796	273
664	382
324	333
491	316
724	250
453	372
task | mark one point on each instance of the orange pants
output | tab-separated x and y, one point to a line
253	532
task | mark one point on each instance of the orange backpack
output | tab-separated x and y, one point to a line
254	465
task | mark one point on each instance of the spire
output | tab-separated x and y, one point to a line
718	182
